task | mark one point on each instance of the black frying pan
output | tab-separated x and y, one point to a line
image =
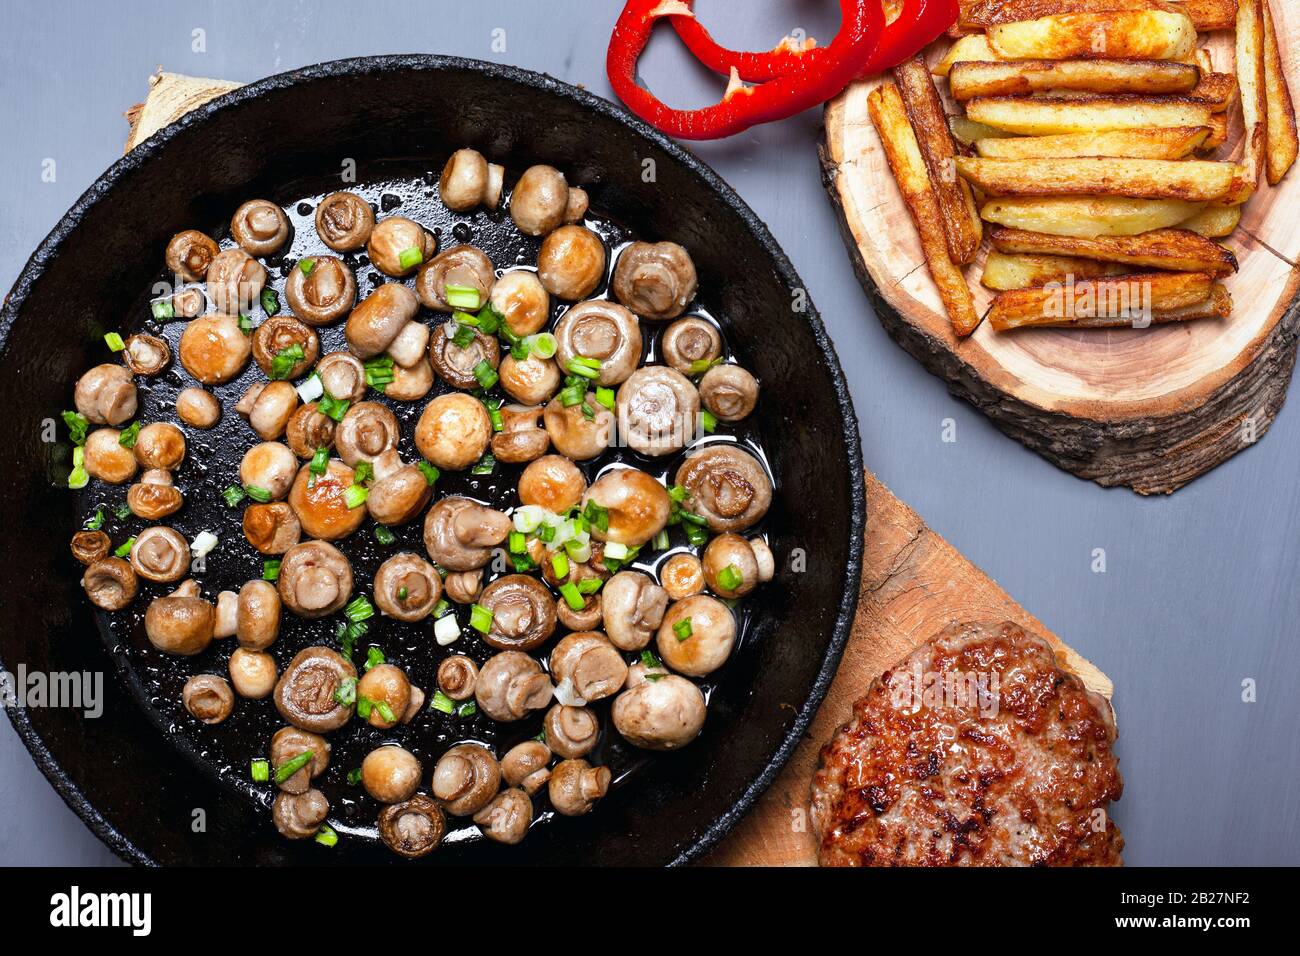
283	137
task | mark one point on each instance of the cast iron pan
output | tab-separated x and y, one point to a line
136	774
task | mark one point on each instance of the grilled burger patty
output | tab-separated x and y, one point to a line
975	750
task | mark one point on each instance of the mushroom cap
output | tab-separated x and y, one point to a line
589	618
272	528
391	773
154	496
658	410
638	506
506	817
455	365
655	280
460	533
282	332
189	301
393	236
90	546
600	330
571	731
573	434
257	623
453	431
344	221
160	445
106	395
325	294
189	253
208	698
457	676
530	381
179	625
214	349
315	579
106	459
198	408
511	685
252	673
575	786
308	429
632	608
269	408
590	663
729	392
407	587
414	827
521	438
729	550
463	266
689	340
552	482
726	486
709	643
160	554
270	466
260	227
110	583
523	612
146	354
467	180
410	346
410	382
399	496
234	281
571	262
522	301
465	779
385	684
290	742
539	200
525	765
682	575
304	694
377	319
299	816
663	714
342	375
368	429
320	502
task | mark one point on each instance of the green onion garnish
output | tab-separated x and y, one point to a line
546	533
125	547
519	351
96	522
129	434
660	542
486	465
442	702
480	618
518	543
700	366
257	493
467	709
260	771
364	706
270	302
162	309
233	495
460	296
730	578
349	633
648	659
363	473
123	512
245	324
320	461
355	496
306	265
345	694
271	569
114	342
354	776
605	396
596	515
590	585
441	608
359	609
78	477
572	596
77	427
332	407
290	767
379	371
374	657
543	344
584	367
384	534
489	320
682	629
463	337
691	518
403	593
430	472
485	374
410	258
560	564
572	395
677	493
285	360
385	711
708	421
326	836
696	534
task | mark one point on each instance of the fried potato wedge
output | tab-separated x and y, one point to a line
1215	90
1048	117
1215	221
903	152
1136	34
1283	143
1218	133
1206	15
1194	180
971	48
1003	273
1218	305
1172	142
979	78
1088	216
1078	303
1178	250
967	131
1254	101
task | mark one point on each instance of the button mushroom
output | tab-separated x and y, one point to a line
655	280
576	785
522	301
407	587
463	587
571	731
661	714
390	773
179	625
412	828
532	380
106	395
342	376
521	438
208	698
227	615
306	694
410	383
268	469
344	221
455	364
571	262
682	576
506	818
89	546
638	506
299	816
283	335
315	579
511	685
383	695
729	392
258	618
398	245
110	584
409	348
600	330
235	281
290	743
189	254
377	320
260	227
197	408
399	494
525	766
575	435
106	459
539	203
465	266
309	429
469	180
466	778
523	613
459	534
586	618
367	430
453	431
268	406
214	349
160	554
689	341
552	482
697	635
252	673
154	496
733	566
160	445
189	301
589	664
726	486
272	528
146	354
457	676
321	504
633	609
658	408
322	294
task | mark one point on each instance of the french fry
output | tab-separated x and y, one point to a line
1076	303
962	225
1215	221
1218	133
1047	117
1204	62
1135	34
971	79
1003	272
1210	15
1171	142
1206	15
967	131
1088	216
1215	90
889	116
1217	305
1193	180
1178	250
1283	143
1254	101
969	48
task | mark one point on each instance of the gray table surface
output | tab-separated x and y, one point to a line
1199	590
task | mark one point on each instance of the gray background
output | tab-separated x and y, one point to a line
1199	590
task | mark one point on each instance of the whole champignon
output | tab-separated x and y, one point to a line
189	254
523	613
270	467
214	349
531	381
178	625
638	506
729	392
258	617
588	618
641	672
412	828
106	395
305	692
726	486
633	608
320	502
309	429
272	528
522	301
655	280
469	180
453	431
342	376
525	766
298	816
252	673
410	383
578	571
464	266
197	408
377	320
146	354
344	221
289	743
604	331
411	345
455	365
189	301
589	664
407	587
367	430
682	576
506	818
160	445
571	731
539	203
160	554
466	778
510	686
521	437
575	210
457	676
280	334
110	584
106	459
398	495
387	690
688	341
398	245
227	614
267	407
658	409
552	482
208	698
459	533
154	496
390	773
315	579
575	435
322	295
90	546
697	635
576	785
661	714
235	281
260	227
571	262
733	566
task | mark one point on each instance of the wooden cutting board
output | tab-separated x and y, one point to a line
1151	409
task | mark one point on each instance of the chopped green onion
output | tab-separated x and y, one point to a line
467	709
306	265
489	320
354	776
486	465
730	578
125	547
546	533
257	493
359	609
660	542
320	461
114	342
654	677
162	309
485	374
374	657
78	477
441	608
384	534
480	618
578	365
696	535
245	324
331	407
463	336
270	302
349	633
260	771
677	493
234	495
403	593
605	396
123	512
519	351
682	629
355	496
364	706
326	836
129	434
379	371
588	412
285	360
518	543
543	344
572	596
363	473
700	366
271	569
385	711
648	659
708	421
77	427
292	766
560	565
96	522
692	518
460	296
579	551
572	395
430	472
590	585
493	406
597	515
442	702
410	258
346	693
616	552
